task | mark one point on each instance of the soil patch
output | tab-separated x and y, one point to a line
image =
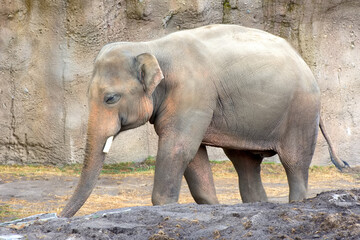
30	190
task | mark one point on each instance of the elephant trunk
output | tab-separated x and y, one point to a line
94	159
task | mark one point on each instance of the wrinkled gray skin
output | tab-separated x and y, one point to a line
240	89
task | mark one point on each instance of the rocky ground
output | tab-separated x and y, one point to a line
25	191
329	215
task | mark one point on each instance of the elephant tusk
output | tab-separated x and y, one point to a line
108	144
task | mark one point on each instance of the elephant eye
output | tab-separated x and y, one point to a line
112	98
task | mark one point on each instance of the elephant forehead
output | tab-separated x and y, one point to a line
124	85
112	68
111	74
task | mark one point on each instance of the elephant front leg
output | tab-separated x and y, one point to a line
179	141
200	180
171	161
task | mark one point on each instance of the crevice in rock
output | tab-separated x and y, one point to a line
226	11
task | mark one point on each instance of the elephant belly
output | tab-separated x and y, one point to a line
250	122
234	140
250	119
254	123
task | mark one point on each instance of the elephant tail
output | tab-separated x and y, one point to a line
340	164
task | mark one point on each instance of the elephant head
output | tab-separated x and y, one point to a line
120	98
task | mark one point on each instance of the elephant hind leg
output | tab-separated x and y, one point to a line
297	175
296	156
248	168
200	179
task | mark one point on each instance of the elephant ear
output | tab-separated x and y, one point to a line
148	72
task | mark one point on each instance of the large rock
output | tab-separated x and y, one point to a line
47	49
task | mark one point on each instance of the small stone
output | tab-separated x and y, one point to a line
352	45
11	237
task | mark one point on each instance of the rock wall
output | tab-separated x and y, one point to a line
47	50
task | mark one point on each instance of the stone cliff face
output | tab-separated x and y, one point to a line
47	49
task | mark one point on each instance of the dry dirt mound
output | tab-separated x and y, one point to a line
330	215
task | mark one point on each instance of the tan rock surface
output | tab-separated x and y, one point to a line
47	49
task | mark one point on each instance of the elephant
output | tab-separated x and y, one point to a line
241	89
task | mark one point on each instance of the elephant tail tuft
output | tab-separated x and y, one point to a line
339	164
335	161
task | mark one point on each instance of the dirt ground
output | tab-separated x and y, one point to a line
26	191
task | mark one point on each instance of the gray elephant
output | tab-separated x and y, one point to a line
237	88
